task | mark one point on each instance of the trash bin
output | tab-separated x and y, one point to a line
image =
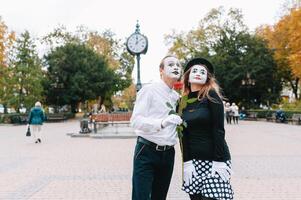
84	126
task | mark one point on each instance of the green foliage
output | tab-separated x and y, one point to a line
236	54
291	106
4	83
268	113
104	44
241	57
76	74
262	113
192	100
13	118
25	72
64	115
181	105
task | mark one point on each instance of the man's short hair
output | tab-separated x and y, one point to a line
162	61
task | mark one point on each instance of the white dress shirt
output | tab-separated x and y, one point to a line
149	111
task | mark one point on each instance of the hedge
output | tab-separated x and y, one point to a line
268	113
18	118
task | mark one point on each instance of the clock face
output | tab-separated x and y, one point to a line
137	43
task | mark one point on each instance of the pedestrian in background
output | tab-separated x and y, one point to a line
228	113
235	111
35	121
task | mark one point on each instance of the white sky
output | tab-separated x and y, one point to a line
156	18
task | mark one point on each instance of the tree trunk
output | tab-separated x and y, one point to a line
100	101
73	107
295	87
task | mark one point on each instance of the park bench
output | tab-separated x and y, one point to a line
251	116
19	119
271	118
56	117
114	119
23	119
296	119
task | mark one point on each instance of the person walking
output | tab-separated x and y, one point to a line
229	113
35	121
156	129
235	112
207	160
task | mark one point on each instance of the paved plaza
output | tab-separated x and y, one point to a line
266	160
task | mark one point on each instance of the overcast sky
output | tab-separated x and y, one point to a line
156	18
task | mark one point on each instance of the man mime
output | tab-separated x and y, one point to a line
156	130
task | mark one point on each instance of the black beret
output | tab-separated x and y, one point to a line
199	61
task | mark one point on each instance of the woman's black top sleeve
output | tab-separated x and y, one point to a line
221	151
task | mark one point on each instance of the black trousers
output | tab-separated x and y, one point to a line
152	172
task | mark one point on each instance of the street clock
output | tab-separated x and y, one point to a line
137	44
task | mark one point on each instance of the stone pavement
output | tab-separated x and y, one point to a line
266	159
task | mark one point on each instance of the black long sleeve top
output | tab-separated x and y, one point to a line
204	137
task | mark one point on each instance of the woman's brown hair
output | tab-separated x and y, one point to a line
210	84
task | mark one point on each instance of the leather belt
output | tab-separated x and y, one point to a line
154	145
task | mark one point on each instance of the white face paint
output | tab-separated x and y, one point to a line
172	68
198	74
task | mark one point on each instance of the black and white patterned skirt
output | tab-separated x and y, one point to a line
207	185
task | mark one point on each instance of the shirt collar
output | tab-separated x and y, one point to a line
165	86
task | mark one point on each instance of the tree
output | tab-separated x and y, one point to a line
7	39
117	58
200	41
76	74
104	44
224	39
26	73
246	70
284	38
295	41
127	98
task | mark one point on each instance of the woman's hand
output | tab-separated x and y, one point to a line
189	171
222	170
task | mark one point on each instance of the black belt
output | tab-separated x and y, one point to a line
154	145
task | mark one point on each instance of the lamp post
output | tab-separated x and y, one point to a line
57	88
248	82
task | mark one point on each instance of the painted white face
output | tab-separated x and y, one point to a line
198	74
172	68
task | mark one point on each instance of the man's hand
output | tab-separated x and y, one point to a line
222	170
171	120
189	171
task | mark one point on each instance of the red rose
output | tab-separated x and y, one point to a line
178	85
